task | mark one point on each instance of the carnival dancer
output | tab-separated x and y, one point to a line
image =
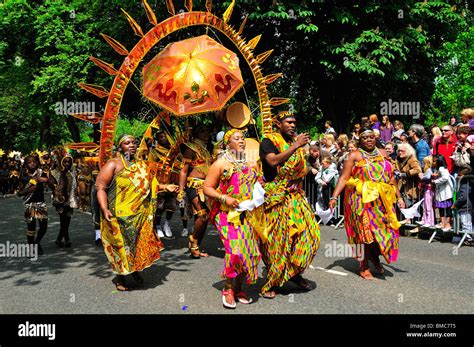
369	212
234	177
293	233
126	191
32	190
196	163
65	198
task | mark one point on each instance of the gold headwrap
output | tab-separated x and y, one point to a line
229	133
123	139
284	114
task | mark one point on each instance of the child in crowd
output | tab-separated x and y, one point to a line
428	219
444	191
326	179
464	202
314	166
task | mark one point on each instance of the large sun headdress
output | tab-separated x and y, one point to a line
161	30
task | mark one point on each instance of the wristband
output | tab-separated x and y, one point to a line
333	198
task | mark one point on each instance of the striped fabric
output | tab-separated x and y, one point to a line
129	240
366	223
293	233
238	236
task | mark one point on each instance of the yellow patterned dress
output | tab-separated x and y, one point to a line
293	233
129	241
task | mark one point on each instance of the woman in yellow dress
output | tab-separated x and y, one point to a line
126	192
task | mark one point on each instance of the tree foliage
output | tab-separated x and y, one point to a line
340	59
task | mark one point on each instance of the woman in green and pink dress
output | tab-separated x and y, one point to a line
230	181
370	196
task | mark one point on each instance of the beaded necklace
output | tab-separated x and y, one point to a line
369	158
239	164
131	168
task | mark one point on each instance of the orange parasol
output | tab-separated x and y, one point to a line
83	146
192	76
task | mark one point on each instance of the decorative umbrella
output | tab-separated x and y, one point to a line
192	76
83	146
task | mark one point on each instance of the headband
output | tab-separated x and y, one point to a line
284	114
229	133
368	131
123	139
62	160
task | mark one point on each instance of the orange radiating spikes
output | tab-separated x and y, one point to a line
117	46
109	68
136	28
92	117
278	101
263	56
271	78
188	4
253	42
170	7
98	91
228	12
208	5
241	29
149	13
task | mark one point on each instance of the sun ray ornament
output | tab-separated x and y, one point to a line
150	39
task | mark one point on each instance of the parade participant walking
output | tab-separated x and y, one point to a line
126	191
234	177
65	198
294	240
32	183
369	213
196	163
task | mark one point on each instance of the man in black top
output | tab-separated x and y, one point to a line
293	233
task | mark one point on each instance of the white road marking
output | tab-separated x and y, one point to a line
328	271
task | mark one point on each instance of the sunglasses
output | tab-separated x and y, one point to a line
445	130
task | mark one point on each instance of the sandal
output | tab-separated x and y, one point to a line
269	295
301	282
119	282
367	275
194	249
243	298
225	302
379	268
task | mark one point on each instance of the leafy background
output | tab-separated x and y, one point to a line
340	60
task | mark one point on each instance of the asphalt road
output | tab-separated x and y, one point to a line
427	279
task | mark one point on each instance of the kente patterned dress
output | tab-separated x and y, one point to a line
369	213
240	240
129	241
293	233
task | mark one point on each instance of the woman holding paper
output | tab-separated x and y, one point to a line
231	181
369	212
